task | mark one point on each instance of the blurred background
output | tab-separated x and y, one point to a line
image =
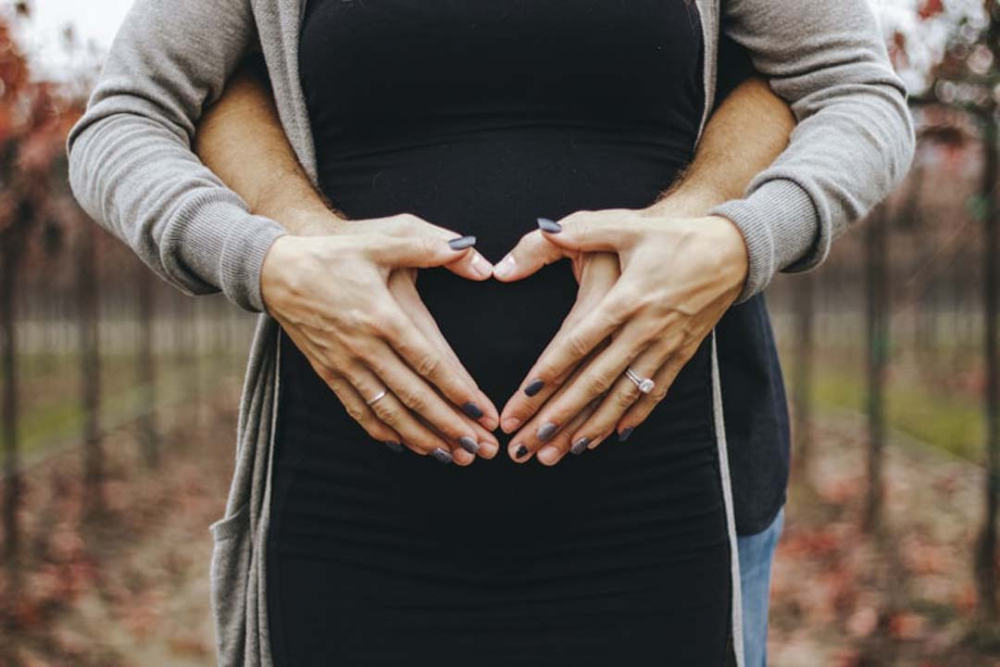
118	393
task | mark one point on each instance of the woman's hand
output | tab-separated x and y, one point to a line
349	302
596	273
678	277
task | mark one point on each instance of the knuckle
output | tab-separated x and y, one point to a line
599	384
386	413
428	365
625	398
577	345
413	399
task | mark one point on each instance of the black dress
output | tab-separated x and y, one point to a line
480	117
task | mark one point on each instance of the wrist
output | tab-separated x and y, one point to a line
312	221
272	271
688	201
728	240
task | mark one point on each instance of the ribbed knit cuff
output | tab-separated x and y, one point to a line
780	226
225	246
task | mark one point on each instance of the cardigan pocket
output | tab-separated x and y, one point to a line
229	580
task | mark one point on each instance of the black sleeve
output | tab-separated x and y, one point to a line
734	67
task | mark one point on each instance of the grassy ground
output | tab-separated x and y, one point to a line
51	406
942	407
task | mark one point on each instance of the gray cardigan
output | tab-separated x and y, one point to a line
132	169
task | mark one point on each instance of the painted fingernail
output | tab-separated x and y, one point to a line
468	444
472	410
521	452
580	446
394	446
546	431
442	455
550	226
462	242
625	433
534	387
505	267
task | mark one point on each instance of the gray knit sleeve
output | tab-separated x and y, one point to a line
854	141
131	166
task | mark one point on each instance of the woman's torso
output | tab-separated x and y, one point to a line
480	117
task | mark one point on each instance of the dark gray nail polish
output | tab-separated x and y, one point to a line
534	387
580	446
472	410
550	226
625	433
394	446
469	444
462	242
546	431
442	455
521	452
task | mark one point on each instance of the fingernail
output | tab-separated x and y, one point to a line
481	266
394	446
534	387
442	455
625	433
510	423
550	226
462	242
505	267
546	430
472	410
521	452
468	444
580	446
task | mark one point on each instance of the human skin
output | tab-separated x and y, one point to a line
625	286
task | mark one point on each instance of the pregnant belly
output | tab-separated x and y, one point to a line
495	186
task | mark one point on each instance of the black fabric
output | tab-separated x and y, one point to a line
481	117
754	403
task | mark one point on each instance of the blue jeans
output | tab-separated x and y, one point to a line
756	553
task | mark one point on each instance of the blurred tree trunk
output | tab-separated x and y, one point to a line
805	309
90	366
146	367
878	348
12	249
986	554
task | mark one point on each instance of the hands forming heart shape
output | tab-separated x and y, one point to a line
652	285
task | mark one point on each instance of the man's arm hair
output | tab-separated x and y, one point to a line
241	139
745	134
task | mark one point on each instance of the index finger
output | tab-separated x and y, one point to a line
429	362
569	347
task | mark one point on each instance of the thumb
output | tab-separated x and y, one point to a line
417	252
585	232
531	253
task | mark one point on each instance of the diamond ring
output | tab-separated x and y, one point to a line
645	385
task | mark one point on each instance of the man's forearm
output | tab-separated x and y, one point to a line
744	135
241	139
